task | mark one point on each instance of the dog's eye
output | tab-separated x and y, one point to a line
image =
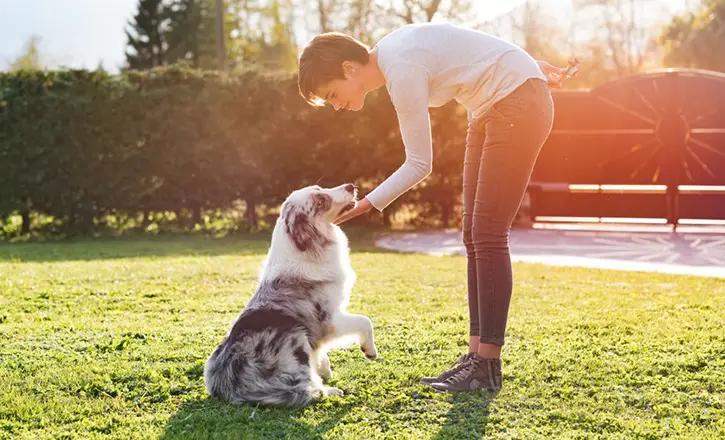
320	202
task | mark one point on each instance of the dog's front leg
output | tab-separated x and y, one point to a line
360	326
322	364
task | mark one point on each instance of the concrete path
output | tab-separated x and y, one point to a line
666	252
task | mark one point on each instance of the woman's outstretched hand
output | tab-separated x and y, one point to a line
362	207
555	75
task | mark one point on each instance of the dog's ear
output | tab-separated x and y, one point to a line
301	230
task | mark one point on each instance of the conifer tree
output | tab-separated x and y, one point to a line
146	37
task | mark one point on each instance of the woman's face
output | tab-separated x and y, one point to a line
345	94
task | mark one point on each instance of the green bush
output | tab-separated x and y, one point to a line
81	145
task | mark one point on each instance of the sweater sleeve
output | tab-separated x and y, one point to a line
408	88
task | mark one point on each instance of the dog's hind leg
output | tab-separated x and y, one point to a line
360	326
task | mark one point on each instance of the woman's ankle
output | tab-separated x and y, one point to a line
489	351
473	344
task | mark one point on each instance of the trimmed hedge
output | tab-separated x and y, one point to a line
79	145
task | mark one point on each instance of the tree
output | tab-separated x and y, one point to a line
697	39
30	58
261	33
166	32
627	41
280	48
146	36
369	20
191	33
416	11
529	22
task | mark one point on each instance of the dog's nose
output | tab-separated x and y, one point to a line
350	188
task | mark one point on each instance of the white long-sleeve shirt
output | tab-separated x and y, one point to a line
430	64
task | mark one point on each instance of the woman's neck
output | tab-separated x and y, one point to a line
374	78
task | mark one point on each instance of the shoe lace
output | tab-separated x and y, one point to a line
465	370
456	368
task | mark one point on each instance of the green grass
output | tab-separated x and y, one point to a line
107	338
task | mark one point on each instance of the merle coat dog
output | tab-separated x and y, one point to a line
276	351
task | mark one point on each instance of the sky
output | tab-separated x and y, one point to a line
86	33
74	33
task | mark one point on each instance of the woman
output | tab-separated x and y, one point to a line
506	93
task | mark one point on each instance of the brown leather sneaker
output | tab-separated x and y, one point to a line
448	373
475	374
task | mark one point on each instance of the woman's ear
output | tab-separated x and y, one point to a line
349	69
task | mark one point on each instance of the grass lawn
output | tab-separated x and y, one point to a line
108	338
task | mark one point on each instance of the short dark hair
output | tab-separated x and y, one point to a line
321	62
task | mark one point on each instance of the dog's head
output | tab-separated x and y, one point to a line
307	214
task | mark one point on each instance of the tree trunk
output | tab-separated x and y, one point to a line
220	43
25	225
180	217
196	216
446	210
85	222
145	220
388	218
252	219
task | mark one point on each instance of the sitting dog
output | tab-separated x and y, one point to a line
276	350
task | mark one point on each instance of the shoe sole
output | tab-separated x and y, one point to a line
445	390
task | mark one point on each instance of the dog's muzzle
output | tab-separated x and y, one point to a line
347	207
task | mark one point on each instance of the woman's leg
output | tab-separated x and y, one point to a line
516	128
471	161
474	147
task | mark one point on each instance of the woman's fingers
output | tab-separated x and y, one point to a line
555	75
573	68
345	217
361	207
554	78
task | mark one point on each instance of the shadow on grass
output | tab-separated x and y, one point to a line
213	419
176	245
467	418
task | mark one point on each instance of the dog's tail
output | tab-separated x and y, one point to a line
285	395
237	379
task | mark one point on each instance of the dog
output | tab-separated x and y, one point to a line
276	351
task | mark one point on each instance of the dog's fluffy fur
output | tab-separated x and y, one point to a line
276	350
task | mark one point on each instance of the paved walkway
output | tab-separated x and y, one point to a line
666	252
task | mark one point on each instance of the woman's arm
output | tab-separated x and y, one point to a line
409	95
408	88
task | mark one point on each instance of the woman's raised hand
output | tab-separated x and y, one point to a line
555	75
360	208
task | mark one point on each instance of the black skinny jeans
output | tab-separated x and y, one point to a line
501	149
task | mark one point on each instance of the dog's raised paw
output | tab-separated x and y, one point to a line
371	356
